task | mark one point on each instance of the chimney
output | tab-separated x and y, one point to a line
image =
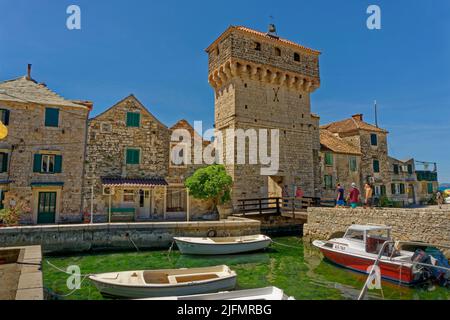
29	72
358	116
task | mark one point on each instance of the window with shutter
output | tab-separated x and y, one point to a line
402	188
353	164
51	117
396	169
328	159
393	189
133	119
328	182
410	169
376	166
37	163
133	156
383	190
430	188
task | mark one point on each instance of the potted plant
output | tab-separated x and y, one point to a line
212	183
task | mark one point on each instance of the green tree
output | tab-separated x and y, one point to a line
210	183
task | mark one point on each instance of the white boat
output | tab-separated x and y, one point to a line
169	282
220	246
269	293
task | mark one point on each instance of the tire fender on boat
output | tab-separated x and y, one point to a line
211	233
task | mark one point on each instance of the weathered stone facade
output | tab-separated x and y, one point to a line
340	164
264	82
44	160
110	136
427	224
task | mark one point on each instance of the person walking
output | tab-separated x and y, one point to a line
439	199
354	196
340	200
369	196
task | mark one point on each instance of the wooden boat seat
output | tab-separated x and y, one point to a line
152	277
195	277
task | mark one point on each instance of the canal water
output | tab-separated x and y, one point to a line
290	264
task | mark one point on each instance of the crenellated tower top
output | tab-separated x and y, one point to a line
248	53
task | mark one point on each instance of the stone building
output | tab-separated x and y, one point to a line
340	163
262	81
43	154
403	181
427	180
371	142
178	199
126	164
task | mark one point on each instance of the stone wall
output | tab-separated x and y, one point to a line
428	224
82	238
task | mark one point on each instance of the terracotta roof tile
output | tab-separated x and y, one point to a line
336	144
25	90
351	124
266	36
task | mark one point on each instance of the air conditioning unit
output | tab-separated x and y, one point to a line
108	191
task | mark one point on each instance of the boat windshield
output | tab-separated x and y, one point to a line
354	235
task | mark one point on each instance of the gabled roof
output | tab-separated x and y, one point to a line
265	36
25	90
336	144
133	98
351	125
184	124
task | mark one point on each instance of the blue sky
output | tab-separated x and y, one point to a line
155	49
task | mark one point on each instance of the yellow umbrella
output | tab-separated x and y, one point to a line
3	131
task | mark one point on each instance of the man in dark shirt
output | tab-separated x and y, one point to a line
340	201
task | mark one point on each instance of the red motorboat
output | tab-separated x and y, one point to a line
360	248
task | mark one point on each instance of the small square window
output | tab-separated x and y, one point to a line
296	57
106	127
128	195
278	52
257	46
353	164
133	119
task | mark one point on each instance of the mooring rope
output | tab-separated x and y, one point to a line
170	248
84	277
286	245
131	240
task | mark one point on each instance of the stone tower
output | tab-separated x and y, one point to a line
262	81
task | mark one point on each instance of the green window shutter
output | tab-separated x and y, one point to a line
51	117
353	164
58	164
328	159
430	188
37	164
396	169
4	163
374	139
133	156
402	188
133	119
393	188
383	190
376	166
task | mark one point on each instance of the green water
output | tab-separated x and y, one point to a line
301	272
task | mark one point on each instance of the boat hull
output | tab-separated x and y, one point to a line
221	249
389	271
140	292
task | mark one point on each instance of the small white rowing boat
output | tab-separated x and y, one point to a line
269	293
219	246
161	283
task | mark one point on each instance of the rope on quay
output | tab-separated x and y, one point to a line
285	245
